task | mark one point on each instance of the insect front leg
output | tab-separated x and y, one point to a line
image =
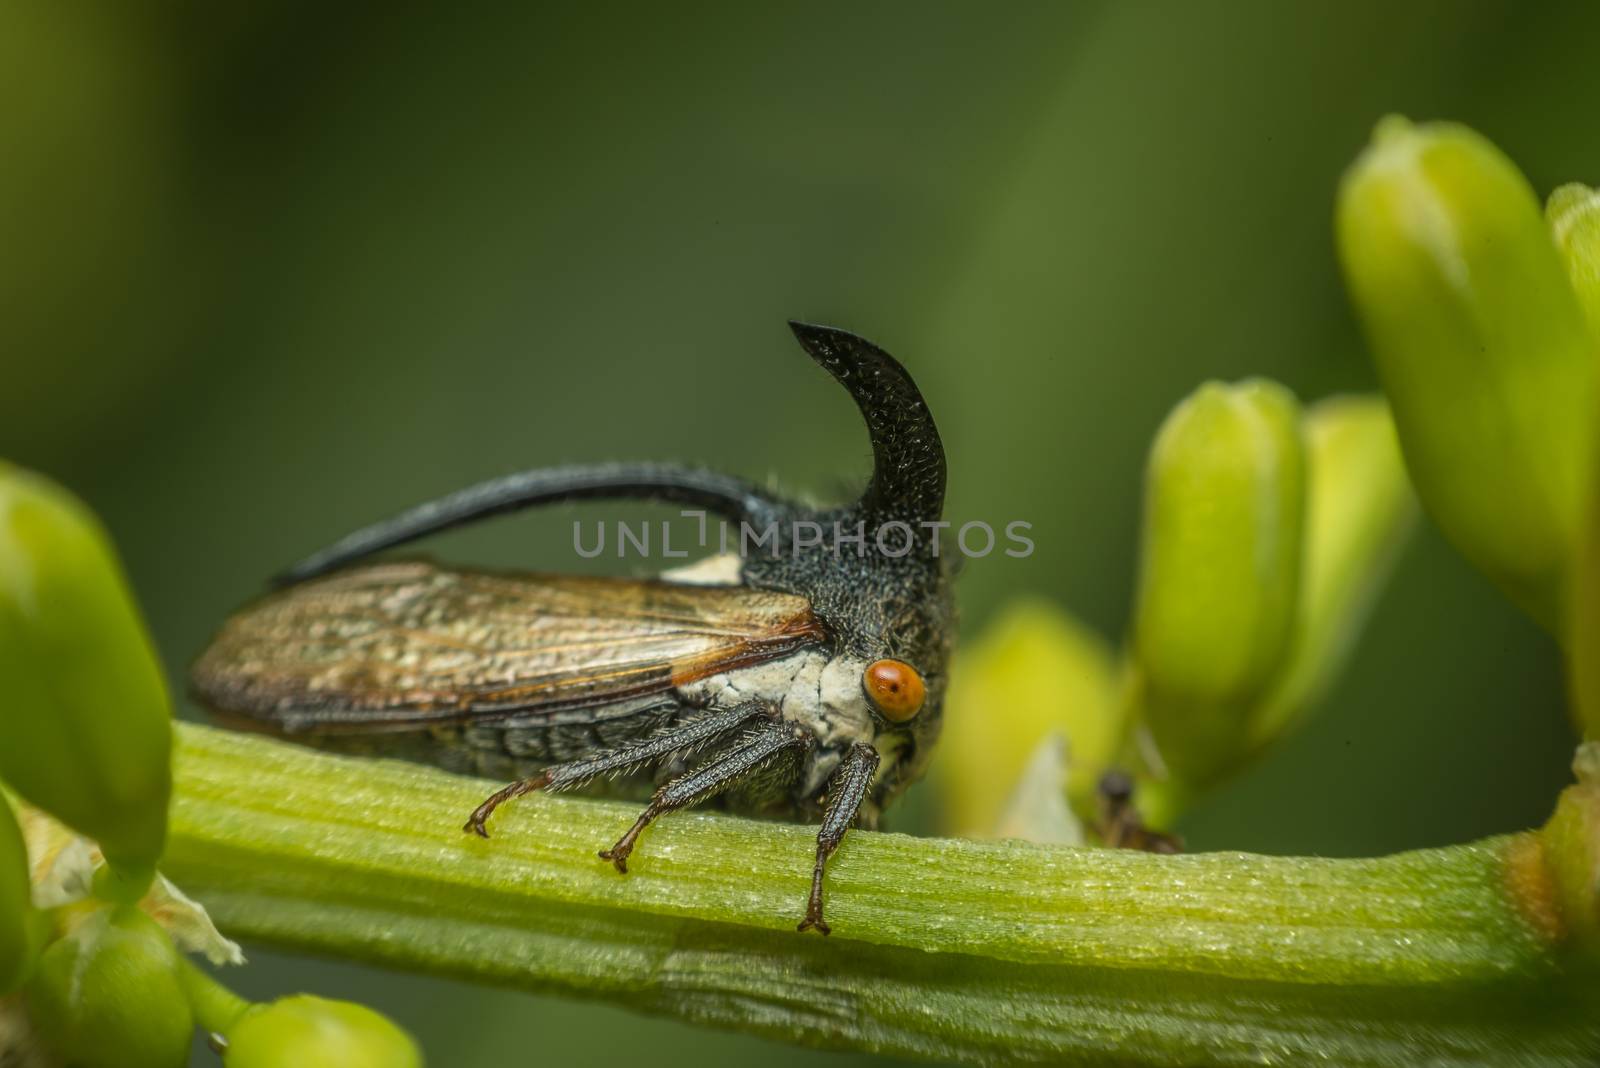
689	735
769	740
846	790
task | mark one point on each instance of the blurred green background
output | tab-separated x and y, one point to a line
274	271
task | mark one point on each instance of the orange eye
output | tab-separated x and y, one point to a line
894	688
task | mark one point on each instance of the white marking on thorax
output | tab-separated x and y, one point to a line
818	692
722	569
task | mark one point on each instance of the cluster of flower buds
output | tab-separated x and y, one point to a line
1266	532
87	738
1483	315
1267	529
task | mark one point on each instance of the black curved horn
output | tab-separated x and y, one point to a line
907	477
733	498
908	469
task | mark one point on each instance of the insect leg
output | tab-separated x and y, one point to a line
846	789
691	735
768	740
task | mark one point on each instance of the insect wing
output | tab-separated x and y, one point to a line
405	645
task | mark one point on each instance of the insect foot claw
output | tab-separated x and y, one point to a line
815	921
618	857
474	825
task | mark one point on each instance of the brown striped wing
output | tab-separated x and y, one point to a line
403	645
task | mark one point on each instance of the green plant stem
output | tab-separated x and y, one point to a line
216	1008
969	951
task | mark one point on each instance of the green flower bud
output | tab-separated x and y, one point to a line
1583	664
1481	347
1574	215
108	995
1220	572
1036	672
304	1031
19	922
85	735
1359	510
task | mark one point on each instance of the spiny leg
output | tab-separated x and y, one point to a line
688	736
846	789
767	740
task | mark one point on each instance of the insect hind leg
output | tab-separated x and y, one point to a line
769	740
683	736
